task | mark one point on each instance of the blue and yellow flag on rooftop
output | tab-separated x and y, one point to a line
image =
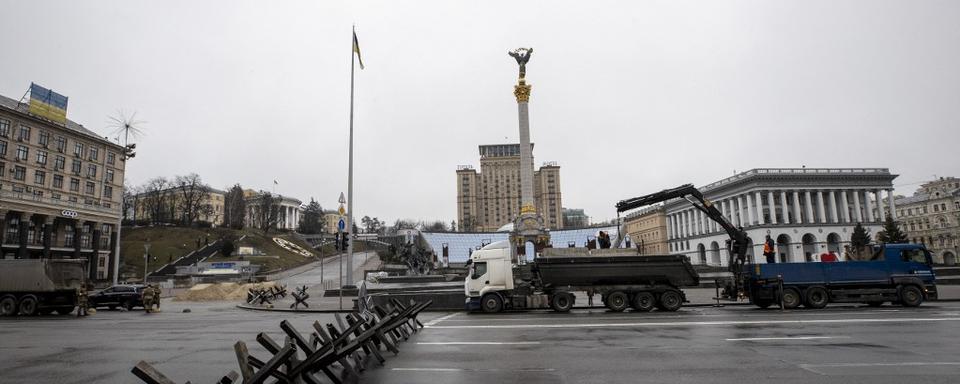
48	104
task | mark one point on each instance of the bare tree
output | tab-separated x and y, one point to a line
191	193
268	211
155	195
131	197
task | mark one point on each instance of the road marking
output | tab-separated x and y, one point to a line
474	369
900	364
439	319
481	343
697	323
789	338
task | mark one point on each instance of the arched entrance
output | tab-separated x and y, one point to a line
702	252
783	248
833	243
715	253
949	258
809	246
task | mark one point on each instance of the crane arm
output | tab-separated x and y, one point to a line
737	244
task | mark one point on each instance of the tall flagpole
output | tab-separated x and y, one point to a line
350	172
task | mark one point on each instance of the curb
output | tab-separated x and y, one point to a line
289	310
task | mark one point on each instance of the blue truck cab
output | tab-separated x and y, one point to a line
896	273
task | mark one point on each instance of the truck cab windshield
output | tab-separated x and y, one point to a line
479	269
914	255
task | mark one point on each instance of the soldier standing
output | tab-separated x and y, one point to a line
82	300
148	297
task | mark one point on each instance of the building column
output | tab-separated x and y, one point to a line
77	238
669	227
724	210
740	221
750	209
113	250
868	206
833	207
784	207
881	215
846	205
808	201
771	207
680	232
47	235
857	212
686	224
891	204
24	225
95	244
703	222
820	209
797	219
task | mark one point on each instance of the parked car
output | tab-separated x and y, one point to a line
126	296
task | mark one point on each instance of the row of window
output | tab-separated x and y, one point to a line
60	143
40	178
942	207
59	164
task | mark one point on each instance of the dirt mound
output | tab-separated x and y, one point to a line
219	291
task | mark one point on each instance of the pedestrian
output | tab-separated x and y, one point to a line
82	300
768	250
148	297
156	298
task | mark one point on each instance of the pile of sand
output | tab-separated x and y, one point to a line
219	291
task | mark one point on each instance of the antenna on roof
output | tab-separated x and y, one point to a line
126	125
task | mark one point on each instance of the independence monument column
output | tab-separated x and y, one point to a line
528	226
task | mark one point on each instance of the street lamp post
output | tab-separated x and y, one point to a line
146	260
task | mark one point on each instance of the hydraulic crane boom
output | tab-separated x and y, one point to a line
736	245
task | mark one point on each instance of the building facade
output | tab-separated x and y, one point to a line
166	206
932	217
60	190
288	210
331	219
575	218
647	230
488	199
806	211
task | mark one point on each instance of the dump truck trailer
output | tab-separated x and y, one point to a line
896	273
621	277
40	286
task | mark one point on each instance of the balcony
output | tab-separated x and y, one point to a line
60	204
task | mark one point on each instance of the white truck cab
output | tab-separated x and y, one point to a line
490	274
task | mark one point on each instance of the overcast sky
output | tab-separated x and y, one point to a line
628	97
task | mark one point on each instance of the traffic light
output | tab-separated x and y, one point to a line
336	242
344	241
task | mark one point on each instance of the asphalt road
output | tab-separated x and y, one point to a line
735	344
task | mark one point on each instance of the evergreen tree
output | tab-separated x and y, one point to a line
891	233
313	220
860	238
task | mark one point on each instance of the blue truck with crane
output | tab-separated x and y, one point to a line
895	273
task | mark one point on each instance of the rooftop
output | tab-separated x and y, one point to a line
17	107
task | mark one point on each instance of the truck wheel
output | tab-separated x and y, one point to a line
670	301
911	296
561	302
791	298
617	301
8	306
816	298
644	302
763	304
28	305
491	303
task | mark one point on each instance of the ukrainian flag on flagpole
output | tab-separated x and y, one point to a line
356	49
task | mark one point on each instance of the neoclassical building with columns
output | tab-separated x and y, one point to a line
60	190
807	212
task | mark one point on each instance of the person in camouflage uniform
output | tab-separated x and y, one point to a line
82	300
149	295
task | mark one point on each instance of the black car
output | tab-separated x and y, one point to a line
126	296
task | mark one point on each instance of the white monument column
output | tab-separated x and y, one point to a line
784	207
881	215
833	207
820	209
797	219
891	204
771	207
857	212
867	205
846	206
528	226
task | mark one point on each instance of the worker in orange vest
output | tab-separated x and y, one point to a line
768	250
